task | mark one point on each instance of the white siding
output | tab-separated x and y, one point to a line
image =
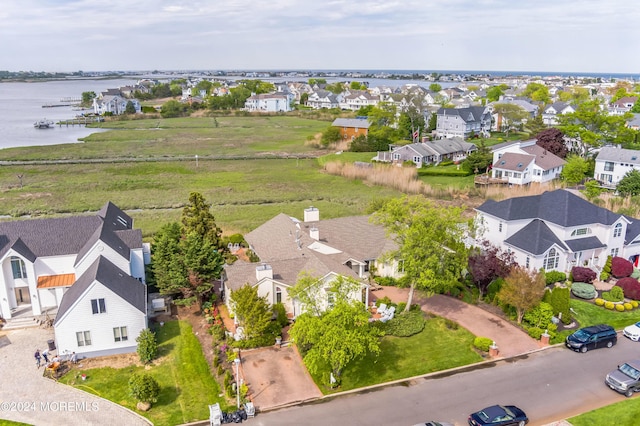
137	264
101	249
80	317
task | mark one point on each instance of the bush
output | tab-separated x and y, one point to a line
604	276
634	303
630	287
147	346
599	302
401	307
559	298
628	306
387	281
583	290
583	275
482	343
635	274
613	296
144	388
384	300
280	314
535	332
493	289
621	267
609	305
405	324
539	316
552	277
620	307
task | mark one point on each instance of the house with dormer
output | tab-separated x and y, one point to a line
614	162
551	113
428	152
622	105
73	268
323	99
325	249
524	162
355	99
463	122
557	230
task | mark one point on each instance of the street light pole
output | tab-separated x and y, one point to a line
237	362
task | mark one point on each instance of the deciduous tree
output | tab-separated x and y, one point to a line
522	289
576	169
429	240
552	140
510	114
486	263
312	293
629	185
435	87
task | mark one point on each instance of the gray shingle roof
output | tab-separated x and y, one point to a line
619	155
560	207
535	238
469	114
514	161
586	243
351	122
106	273
544	159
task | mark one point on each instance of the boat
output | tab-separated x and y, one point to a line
43	124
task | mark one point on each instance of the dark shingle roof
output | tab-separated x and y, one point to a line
106	273
586	243
560	207
535	238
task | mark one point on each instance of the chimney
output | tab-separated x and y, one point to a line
311	214
314	233
263	271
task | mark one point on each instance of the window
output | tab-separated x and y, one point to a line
278	295
580	231
83	338
617	231
528	262
614	252
120	334
608	166
331	299
500	227
97	306
551	260
18	268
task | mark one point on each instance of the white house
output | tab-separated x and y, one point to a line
356	99
323	99
462	122
524	162
550	113
325	249
614	162
114	104
43	261
558	230
269	102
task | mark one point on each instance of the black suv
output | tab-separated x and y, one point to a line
596	336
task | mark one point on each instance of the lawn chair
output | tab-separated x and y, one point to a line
382	309
388	314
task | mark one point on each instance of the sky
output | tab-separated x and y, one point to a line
484	35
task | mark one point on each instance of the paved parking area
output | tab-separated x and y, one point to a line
26	396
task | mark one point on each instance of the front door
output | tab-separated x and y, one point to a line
22	296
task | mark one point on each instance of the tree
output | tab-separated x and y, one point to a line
435	87
144	388
312	293
203	263
331	135
304	98
252	311
335	338
410	120
536	125
197	217
429	241
87	98
257	86
636	106
168	269
495	92
629	185
510	114
479	160
552	140
537	92
488	262
575	169
147	346
433	122
356	85
522	289
130	108
173	108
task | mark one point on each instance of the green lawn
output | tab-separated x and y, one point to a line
436	348
587	313
187	387
624	413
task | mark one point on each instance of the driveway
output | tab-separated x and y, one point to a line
26	396
510	339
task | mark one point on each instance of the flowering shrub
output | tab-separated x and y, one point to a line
600	302
621	267
620	308
609	305
583	275
630	287
628	306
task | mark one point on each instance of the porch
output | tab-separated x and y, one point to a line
22	317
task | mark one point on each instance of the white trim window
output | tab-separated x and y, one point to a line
120	334
617	231
551	260
18	267
83	338
98	306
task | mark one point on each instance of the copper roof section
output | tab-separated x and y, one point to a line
50	281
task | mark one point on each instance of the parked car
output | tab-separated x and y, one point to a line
626	378
499	415
632	331
594	337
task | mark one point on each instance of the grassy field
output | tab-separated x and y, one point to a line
587	313
403	357
624	413
187	387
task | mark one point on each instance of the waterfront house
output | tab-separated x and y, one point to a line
463	122
269	102
428	152
114	104
524	162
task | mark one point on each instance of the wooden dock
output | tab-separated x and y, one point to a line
80	121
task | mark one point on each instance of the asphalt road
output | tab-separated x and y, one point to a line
548	385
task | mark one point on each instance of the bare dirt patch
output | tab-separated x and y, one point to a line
113	361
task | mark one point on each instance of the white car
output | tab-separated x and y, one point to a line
633	331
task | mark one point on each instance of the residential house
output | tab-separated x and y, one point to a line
356	99
351	128
326	249
551	112
323	99
622	105
524	162
428	152
60	265
269	102
114	104
614	162
634	122
463	122
557	230
497	119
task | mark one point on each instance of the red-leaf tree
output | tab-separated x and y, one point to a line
583	275
621	267
488	262
630	287
552	140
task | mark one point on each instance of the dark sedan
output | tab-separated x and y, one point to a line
499	415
